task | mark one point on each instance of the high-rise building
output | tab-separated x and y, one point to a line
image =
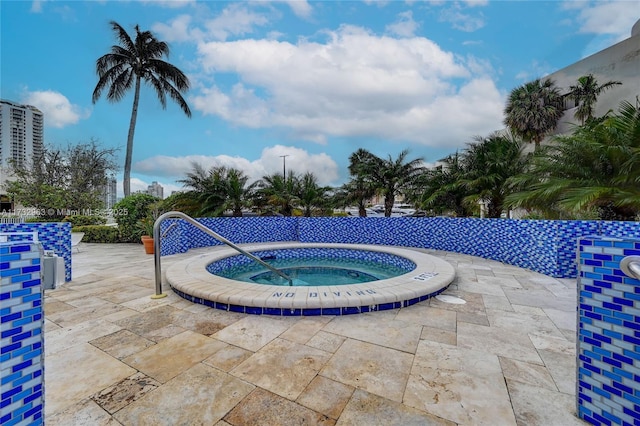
109	192
21	138
21	133
156	190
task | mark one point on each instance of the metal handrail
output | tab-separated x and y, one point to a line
630	265
156	246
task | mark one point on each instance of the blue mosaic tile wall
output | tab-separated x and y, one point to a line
54	236
608	340
21	323
239	230
548	247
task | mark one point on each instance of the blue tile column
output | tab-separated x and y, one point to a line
608	333
21	325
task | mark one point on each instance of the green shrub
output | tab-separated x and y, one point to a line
79	220
129	211
43	220
98	233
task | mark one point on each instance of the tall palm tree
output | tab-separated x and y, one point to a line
586	93
391	177
356	191
130	63
533	110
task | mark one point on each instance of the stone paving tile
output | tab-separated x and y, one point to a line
86	412
81	314
496	302
121	344
146	322
305	329
174	355
53	306
445	382
428	316
532	374
369	409
125	293
523	323
124	392
163	333
326	396
228	358
528	401
511	344
66	337
202	395
63	385
282	367
376	369
265	408
206	323
326	341
253	332
439	335
400	335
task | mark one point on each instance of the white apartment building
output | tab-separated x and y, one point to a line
21	132
21	138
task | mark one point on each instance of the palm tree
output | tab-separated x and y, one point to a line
533	110
390	177
442	189
207	190
130	63
356	191
490	163
586	93
310	194
238	193
279	192
595	168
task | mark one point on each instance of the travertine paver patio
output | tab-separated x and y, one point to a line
116	356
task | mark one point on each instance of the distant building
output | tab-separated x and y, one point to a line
109	192
21	138
156	190
21	133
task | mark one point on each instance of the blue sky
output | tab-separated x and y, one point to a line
311	80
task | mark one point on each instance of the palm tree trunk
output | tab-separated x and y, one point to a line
389	198
126	182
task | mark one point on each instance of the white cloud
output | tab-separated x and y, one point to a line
270	161
177	30
461	21
405	26
58	111
354	84
300	8
613	18
234	20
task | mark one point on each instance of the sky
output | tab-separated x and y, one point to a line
296	84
